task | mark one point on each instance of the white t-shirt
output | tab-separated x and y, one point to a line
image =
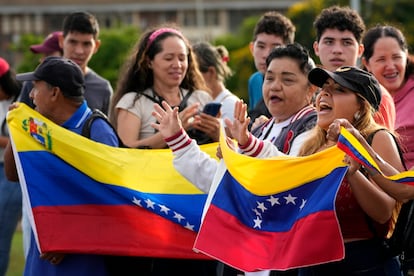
142	107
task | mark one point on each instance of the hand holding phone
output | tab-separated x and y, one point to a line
212	109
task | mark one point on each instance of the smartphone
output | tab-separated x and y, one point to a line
212	109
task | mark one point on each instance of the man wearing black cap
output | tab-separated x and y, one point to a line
48	48
58	94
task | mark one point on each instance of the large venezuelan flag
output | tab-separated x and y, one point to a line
91	198
276	213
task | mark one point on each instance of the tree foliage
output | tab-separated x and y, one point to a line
117	44
241	60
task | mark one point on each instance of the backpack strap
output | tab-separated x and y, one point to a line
96	113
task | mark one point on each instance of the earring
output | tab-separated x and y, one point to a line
357	116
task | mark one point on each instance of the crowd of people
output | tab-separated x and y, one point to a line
295	107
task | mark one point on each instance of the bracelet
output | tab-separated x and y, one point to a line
369	172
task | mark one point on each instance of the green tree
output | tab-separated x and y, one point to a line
29	61
241	59
116	45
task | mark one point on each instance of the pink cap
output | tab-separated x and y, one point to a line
4	66
49	45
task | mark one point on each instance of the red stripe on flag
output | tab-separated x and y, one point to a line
125	230
232	242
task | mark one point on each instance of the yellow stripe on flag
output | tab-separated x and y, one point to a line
149	171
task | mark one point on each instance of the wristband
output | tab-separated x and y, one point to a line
369	171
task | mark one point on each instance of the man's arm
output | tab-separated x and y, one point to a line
9	164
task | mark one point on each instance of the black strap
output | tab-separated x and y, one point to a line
96	113
400	152
158	99
369	139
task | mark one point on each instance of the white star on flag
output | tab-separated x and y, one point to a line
178	216
260	205
303	203
164	209
137	201
150	204
273	200
189	226
257	223
290	199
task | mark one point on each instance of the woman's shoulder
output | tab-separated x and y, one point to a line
127	99
132	96
383	137
227	96
201	96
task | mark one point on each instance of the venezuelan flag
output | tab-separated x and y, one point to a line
275	213
351	146
87	197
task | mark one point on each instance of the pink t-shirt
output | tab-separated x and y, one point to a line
386	113
404	123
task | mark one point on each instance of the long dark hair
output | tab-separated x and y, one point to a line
137	76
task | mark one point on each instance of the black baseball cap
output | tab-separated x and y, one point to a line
353	78
60	72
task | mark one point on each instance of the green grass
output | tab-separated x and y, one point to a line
16	264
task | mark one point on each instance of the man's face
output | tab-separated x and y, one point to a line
79	47
337	48
41	96
261	48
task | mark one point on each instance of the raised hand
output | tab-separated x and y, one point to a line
335	129
239	127
168	121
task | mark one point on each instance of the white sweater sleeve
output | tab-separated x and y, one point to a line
259	148
191	162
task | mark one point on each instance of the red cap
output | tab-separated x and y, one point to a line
49	45
4	67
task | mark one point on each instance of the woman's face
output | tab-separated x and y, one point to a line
388	63
335	102
286	89
171	64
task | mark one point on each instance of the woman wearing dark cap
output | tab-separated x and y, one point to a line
365	212
10	193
